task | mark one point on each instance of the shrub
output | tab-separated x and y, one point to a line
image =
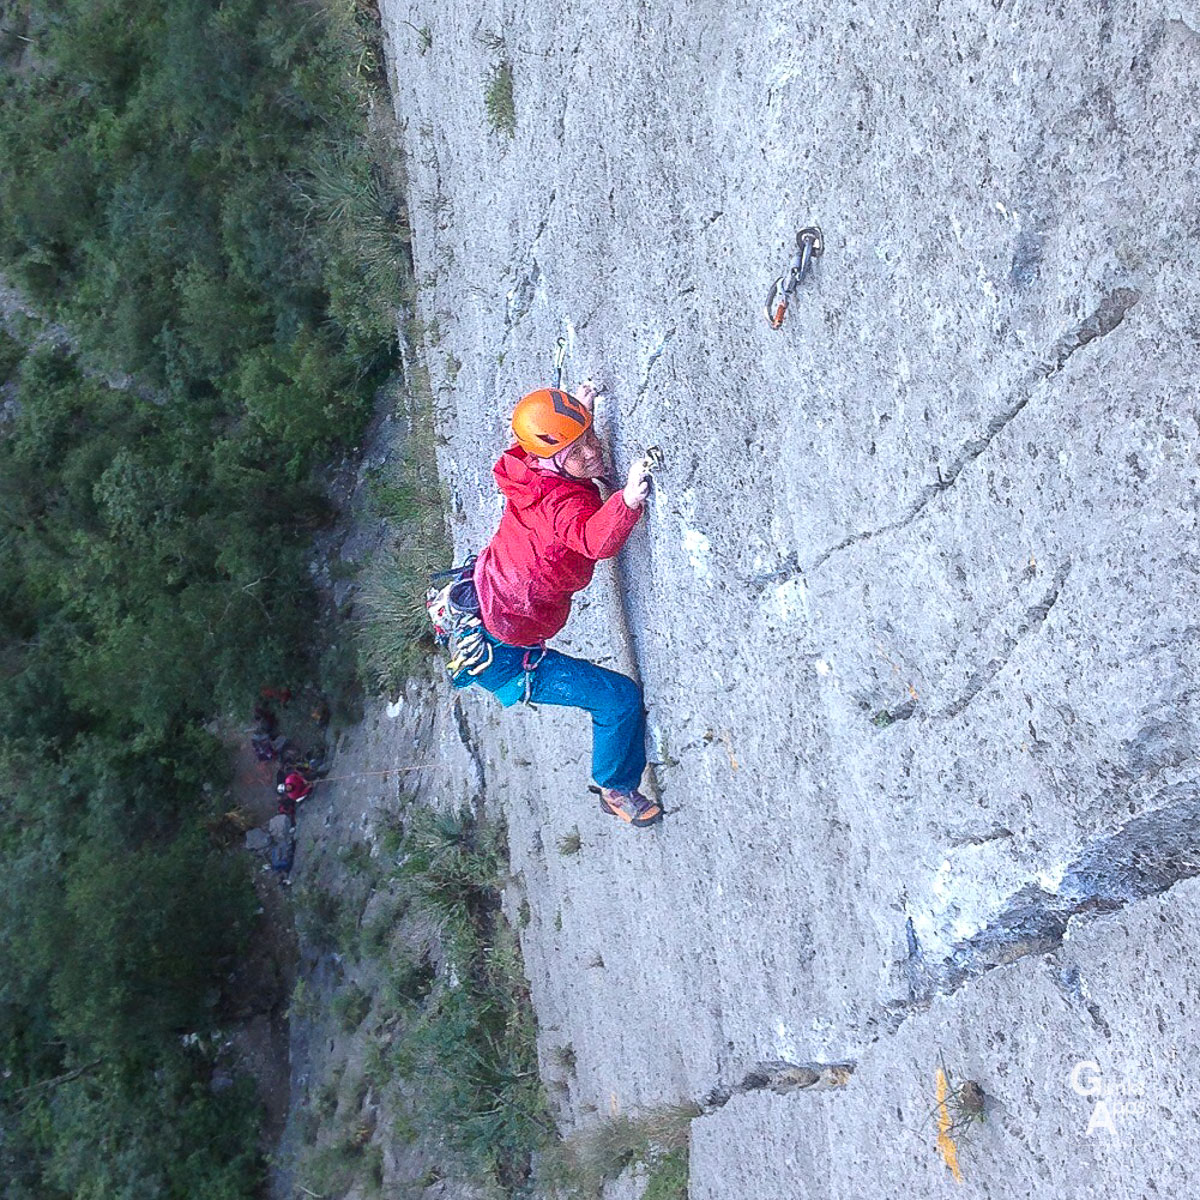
319	916
393	633
473	1053
11	354
669	1177
408	982
350	1006
472	1048
658	1139
498	100
153	566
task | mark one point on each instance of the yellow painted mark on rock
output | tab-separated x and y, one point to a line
945	1143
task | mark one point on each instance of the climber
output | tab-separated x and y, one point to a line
292	791
554	529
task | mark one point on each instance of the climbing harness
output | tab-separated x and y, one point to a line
810	245
453	607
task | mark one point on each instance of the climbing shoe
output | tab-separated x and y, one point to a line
632	807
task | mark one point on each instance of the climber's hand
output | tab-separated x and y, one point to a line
637	486
587	393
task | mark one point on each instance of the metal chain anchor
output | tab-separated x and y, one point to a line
810	245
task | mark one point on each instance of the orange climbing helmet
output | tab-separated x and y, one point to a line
549	420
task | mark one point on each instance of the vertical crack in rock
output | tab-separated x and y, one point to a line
782	1077
1111	312
520	298
997	834
789	568
651	363
889	716
1143	858
464	736
1033	619
1070	983
543	223
1108	315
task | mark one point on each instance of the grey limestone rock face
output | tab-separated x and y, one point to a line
1084	1064
280	828
257	840
914	603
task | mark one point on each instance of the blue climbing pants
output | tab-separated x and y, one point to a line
548	677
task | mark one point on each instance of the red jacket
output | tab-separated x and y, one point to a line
552	533
297	787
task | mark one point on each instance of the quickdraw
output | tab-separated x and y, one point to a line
810	245
529	664
560	355
472	653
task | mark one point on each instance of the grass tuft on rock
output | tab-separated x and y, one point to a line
498	100
657	1139
471	1052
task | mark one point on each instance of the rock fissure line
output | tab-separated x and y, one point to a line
1070	983
867	534
464	734
1100	323
781	1077
1144	858
1035	617
651	363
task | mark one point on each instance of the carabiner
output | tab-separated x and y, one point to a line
776	305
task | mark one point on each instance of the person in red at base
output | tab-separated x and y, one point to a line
292	791
554	529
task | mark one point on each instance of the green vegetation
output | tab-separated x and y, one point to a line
189	189
351	1006
570	843
128	610
658	1140
451	1039
498	100
563	1057
472	1048
409	982
424	36
197	201
394	638
669	1177
333	1170
450	1046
